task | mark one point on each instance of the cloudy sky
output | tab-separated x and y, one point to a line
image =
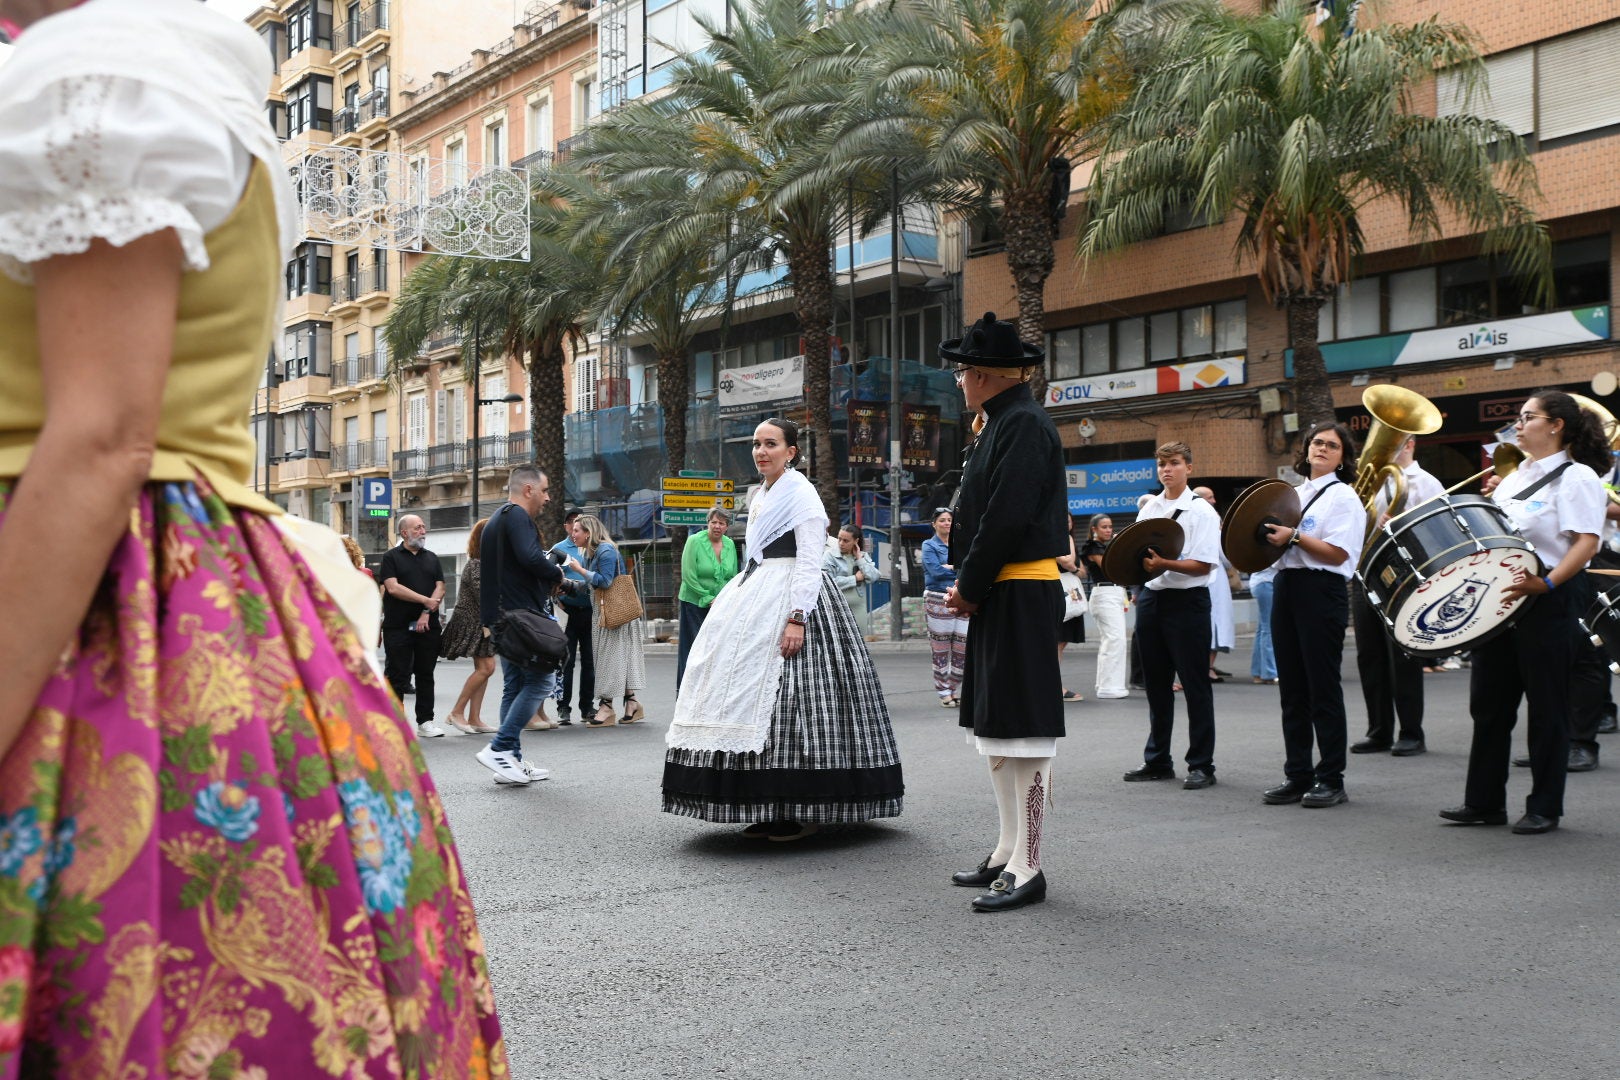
237	9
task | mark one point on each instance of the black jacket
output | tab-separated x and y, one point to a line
1014	503
516	574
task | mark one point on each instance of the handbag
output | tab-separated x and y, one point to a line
529	640
620	602
1074	596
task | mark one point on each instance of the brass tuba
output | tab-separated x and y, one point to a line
1397	414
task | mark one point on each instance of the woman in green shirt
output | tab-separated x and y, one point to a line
709	561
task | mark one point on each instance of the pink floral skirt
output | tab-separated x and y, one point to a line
221	855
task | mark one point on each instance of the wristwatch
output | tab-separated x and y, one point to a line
797	616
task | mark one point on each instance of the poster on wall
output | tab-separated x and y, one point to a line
762	387
919	437
868	431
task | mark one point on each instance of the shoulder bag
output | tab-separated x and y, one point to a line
1074	596
529	640
619	601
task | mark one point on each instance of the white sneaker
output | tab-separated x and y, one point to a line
503	764
535	773
430	730
1452	663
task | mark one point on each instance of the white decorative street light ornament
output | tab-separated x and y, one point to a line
374	198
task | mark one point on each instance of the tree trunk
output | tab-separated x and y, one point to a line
546	428
1313	395
674	392
1026	221
812	293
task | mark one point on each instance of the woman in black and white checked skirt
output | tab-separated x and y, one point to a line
781	722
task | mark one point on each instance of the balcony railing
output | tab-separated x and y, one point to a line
565	146
354	370
443	340
540	159
447	458
503	451
370	279
410	464
348	32
365	454
494	452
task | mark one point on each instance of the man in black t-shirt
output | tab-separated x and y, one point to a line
413	590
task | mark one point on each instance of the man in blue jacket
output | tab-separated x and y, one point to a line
517	575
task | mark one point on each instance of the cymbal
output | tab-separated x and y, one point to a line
1243	537
1122	562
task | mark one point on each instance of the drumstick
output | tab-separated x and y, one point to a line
1605	573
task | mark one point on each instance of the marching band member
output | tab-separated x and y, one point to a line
1556	500
1310	610
1391	681
1173	626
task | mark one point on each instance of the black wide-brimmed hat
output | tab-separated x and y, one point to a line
991	344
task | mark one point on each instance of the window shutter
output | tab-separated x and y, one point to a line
1509	94
1578	89
441	416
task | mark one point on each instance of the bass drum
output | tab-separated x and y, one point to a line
1601	624
1436	574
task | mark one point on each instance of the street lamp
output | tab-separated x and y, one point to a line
478	403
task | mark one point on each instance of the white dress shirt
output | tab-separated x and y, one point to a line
1421	486
1556	513
1202	528
1337	518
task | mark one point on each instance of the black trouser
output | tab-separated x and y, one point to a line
692	618
412	654
578	632
1391	681
1589	674
1172	627
1534	661
1310	610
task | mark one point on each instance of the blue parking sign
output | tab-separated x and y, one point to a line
376	497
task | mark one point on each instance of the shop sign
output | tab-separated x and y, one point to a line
1460	342
1167	379
1110	486
762	387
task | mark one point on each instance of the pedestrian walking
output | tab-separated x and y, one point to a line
577	614
413	590
1310	611
947	627
1071	631
620	651
781	722
517	575
708	561
1107	610
211	807
464	636
1010	525
853	572
1556	501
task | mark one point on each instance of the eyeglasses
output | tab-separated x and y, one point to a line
959	374
1325	445
1526	417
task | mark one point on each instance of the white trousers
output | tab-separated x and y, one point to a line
1108	613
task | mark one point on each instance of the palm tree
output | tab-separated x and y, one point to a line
762	192
533	310
992	99
1298	131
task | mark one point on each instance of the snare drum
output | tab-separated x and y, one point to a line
1602	624
1436	574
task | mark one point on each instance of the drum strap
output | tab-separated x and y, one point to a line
1539	484
1178	513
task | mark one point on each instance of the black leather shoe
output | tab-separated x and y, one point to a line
1004	895
1369	746
1290	792
1198	778
1608	725
1151	772
1581	759
1522	762
1408	748
979	878
1531	824
1467	815
1321	795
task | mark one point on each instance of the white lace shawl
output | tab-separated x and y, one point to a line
87	152
789	505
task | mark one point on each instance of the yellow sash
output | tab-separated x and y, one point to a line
1033	570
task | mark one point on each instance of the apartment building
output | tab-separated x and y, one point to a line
1174	340
325	417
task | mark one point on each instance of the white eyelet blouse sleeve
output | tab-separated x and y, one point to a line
810	538
102	156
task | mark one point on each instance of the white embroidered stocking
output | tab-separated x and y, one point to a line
1001	778
1032	786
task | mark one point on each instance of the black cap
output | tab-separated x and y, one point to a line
991	344
571	513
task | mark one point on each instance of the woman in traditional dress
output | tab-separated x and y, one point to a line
947	627
708	561
781	721
221	853
464	636
620	651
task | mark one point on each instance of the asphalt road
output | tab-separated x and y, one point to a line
1187	934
